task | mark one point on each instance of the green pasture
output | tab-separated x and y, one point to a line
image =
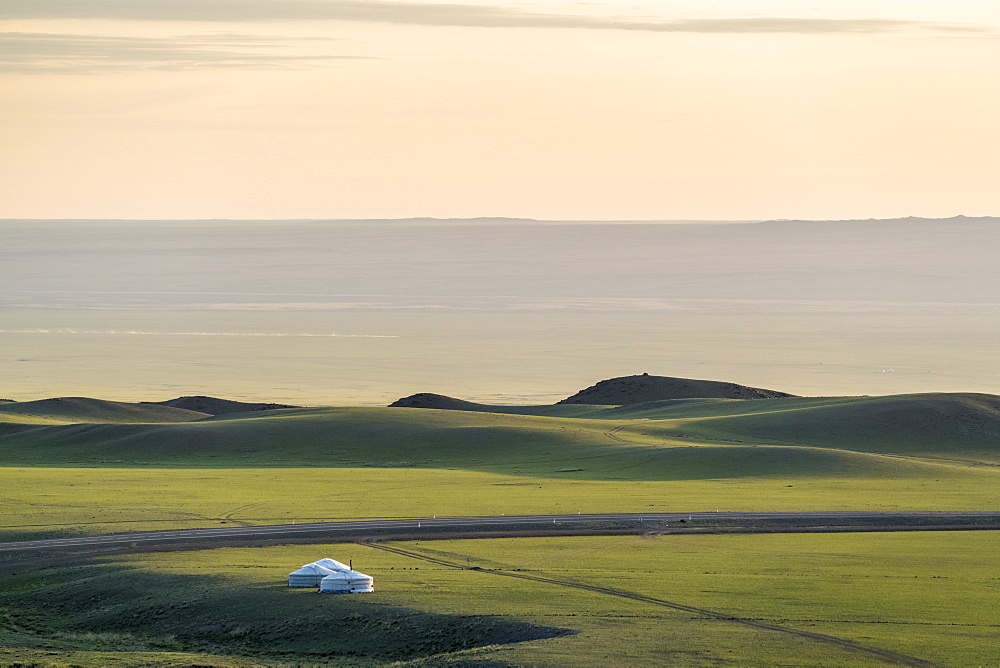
929	595
45	502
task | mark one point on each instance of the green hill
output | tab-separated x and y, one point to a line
950	426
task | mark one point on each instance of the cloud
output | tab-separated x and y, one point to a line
445	14
51	52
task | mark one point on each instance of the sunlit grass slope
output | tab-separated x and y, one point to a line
346	437
511	444
963	426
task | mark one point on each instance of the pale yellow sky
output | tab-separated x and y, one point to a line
638	109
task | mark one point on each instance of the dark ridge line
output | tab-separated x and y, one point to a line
886	655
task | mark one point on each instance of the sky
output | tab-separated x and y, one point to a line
549	109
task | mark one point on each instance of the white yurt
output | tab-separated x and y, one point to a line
346	582
310	575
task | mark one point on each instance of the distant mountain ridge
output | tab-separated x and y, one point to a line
906	219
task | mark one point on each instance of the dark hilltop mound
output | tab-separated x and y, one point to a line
643	388
627	390
214	406
431	400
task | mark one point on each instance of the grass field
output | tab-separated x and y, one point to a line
928	596
83	466
47	502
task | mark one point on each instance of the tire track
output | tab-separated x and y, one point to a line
613	434
885	655
228	516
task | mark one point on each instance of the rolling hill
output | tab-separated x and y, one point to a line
959	425
85	410
661	440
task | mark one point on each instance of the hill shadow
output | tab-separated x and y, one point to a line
111	607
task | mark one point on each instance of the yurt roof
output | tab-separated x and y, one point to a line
313	569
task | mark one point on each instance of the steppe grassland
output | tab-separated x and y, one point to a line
926	594
931	595
315	464
344	463
42	502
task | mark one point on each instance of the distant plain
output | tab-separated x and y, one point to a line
148	310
